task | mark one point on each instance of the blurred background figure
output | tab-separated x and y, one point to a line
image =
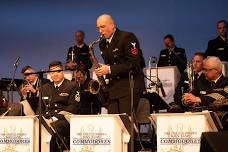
172	55
3	103
78	55
89	103
219	46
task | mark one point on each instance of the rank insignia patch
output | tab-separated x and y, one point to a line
77	96
134	50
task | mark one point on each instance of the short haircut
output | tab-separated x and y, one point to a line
82	69
80	31
222	21
216	61
56	63
169	36
25	69
200	54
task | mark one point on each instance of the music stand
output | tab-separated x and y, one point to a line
156	102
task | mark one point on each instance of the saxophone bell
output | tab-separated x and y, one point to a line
94	87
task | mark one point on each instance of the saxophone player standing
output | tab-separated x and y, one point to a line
122	54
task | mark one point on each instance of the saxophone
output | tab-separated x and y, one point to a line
97	86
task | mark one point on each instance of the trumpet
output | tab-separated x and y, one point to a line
72	55
191	77
24	86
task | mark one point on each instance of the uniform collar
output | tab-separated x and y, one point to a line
110	39
222	38
216	80
80	46
34	83
58	85
199	74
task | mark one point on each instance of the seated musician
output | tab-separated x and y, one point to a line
199	83
212	68
3	103
59	98
29	89
89	102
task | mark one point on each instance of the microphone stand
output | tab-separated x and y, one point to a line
156	67
40	76
131	79
11	85
158	84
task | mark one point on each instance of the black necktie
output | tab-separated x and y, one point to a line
196	75
107	44
212	84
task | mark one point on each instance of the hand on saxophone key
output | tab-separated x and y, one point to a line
102	70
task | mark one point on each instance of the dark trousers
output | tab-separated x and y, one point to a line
123	104
62	127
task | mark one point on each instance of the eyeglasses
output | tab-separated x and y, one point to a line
207	70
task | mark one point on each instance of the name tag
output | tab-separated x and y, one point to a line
177	53
115	50
186	81
83	53
220	49
163	55
64	94
203	92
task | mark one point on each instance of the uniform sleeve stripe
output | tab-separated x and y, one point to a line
216	96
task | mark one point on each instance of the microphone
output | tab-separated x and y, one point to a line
152	59
155	59
17	62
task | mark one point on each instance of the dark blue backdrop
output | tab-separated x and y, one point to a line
41	31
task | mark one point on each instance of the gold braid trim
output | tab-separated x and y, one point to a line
216	96
222	102
226	89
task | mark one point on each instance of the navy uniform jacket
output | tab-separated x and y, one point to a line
218	47
201	85
82	56
176	57
219	91
62	99
123	55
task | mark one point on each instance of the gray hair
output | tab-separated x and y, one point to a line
216	62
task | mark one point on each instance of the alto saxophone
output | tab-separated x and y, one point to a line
97	86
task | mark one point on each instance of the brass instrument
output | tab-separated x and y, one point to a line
191	77
97	86
72	55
